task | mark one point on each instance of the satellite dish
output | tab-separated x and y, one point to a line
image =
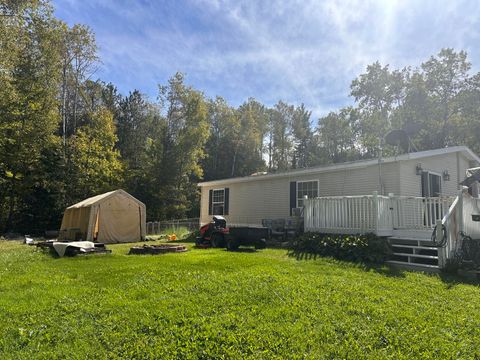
398	138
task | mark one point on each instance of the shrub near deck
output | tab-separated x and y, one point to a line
217	304
367	248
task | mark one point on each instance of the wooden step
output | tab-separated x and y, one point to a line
411	242
417	242
415	247
409	253
416	255
410	239
416	267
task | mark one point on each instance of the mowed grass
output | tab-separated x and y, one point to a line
215	304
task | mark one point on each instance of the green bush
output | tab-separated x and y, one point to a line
367	248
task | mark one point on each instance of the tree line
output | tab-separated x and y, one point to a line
65	136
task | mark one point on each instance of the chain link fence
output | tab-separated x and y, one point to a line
157	227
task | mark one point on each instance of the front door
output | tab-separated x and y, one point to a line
431	188
431	184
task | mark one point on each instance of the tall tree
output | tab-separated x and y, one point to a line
224	138
446	77
303	150
248	147
132	127
281	121
182	147
466	126
378	92
93	159
79	58
338	134
433	103
29	74
137	123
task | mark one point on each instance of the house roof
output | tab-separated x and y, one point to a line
469	154
99	198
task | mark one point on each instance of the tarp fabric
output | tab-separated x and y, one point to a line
112	217
61	247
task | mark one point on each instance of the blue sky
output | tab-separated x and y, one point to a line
297	51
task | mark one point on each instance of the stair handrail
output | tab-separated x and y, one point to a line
452	222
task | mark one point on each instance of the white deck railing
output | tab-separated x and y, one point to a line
419	213
381	215
395	215
336	214
457	220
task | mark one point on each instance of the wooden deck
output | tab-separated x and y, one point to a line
407	222
399	216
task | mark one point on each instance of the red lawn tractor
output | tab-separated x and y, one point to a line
217	234
214	233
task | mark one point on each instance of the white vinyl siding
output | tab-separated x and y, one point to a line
411	183
269	197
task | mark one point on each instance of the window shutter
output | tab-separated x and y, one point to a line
226	201
293	195
210	202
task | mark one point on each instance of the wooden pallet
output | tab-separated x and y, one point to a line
157	249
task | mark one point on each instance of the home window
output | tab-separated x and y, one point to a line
308	188
218	202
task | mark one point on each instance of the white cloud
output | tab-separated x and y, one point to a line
297	51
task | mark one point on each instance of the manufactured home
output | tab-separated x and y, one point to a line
406	199
248	200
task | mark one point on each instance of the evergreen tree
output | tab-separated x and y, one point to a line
248	147
281	122
220	148
303	150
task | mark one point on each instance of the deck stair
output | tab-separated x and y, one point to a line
407	221
414	253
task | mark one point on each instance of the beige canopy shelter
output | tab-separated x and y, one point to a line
113	217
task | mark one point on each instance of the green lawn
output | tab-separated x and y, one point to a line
215	304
